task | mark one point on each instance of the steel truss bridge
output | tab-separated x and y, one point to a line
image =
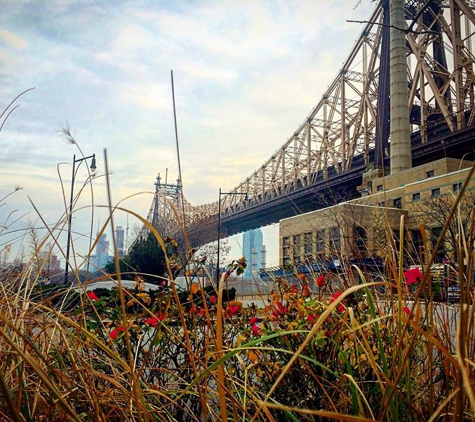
348	131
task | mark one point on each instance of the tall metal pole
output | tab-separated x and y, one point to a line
180	176
70	218
399	112
219	236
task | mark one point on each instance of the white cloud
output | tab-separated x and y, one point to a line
152	96
13	40
246	75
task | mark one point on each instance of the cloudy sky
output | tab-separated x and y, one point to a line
246	74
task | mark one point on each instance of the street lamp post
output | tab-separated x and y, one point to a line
219	225
70	216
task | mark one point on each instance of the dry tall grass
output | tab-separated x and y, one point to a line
150	356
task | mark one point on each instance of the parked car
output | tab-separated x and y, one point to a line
453	294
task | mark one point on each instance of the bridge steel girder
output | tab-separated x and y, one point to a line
348	122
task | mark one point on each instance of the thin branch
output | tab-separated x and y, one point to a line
406	31
409	29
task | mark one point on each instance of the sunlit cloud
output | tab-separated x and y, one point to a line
12	40
151	96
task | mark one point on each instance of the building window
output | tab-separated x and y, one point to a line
335	239
379	188
430	173
308	245
297	248
435	234
286	248
457	187
397	202
359	238
320	241
417	243
416	196
436	192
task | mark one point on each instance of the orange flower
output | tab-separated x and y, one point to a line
253	356
145	298
194	288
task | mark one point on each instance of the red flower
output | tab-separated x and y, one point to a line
213	299
255	330
321	281
281	310
311	317
335	296
253	321
115	332
92	296
155	320
233	309
151	321
406	310
413	275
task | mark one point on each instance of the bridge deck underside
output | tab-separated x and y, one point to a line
343	186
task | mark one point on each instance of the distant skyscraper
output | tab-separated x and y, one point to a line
103	245
102	252
252	248
119	237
